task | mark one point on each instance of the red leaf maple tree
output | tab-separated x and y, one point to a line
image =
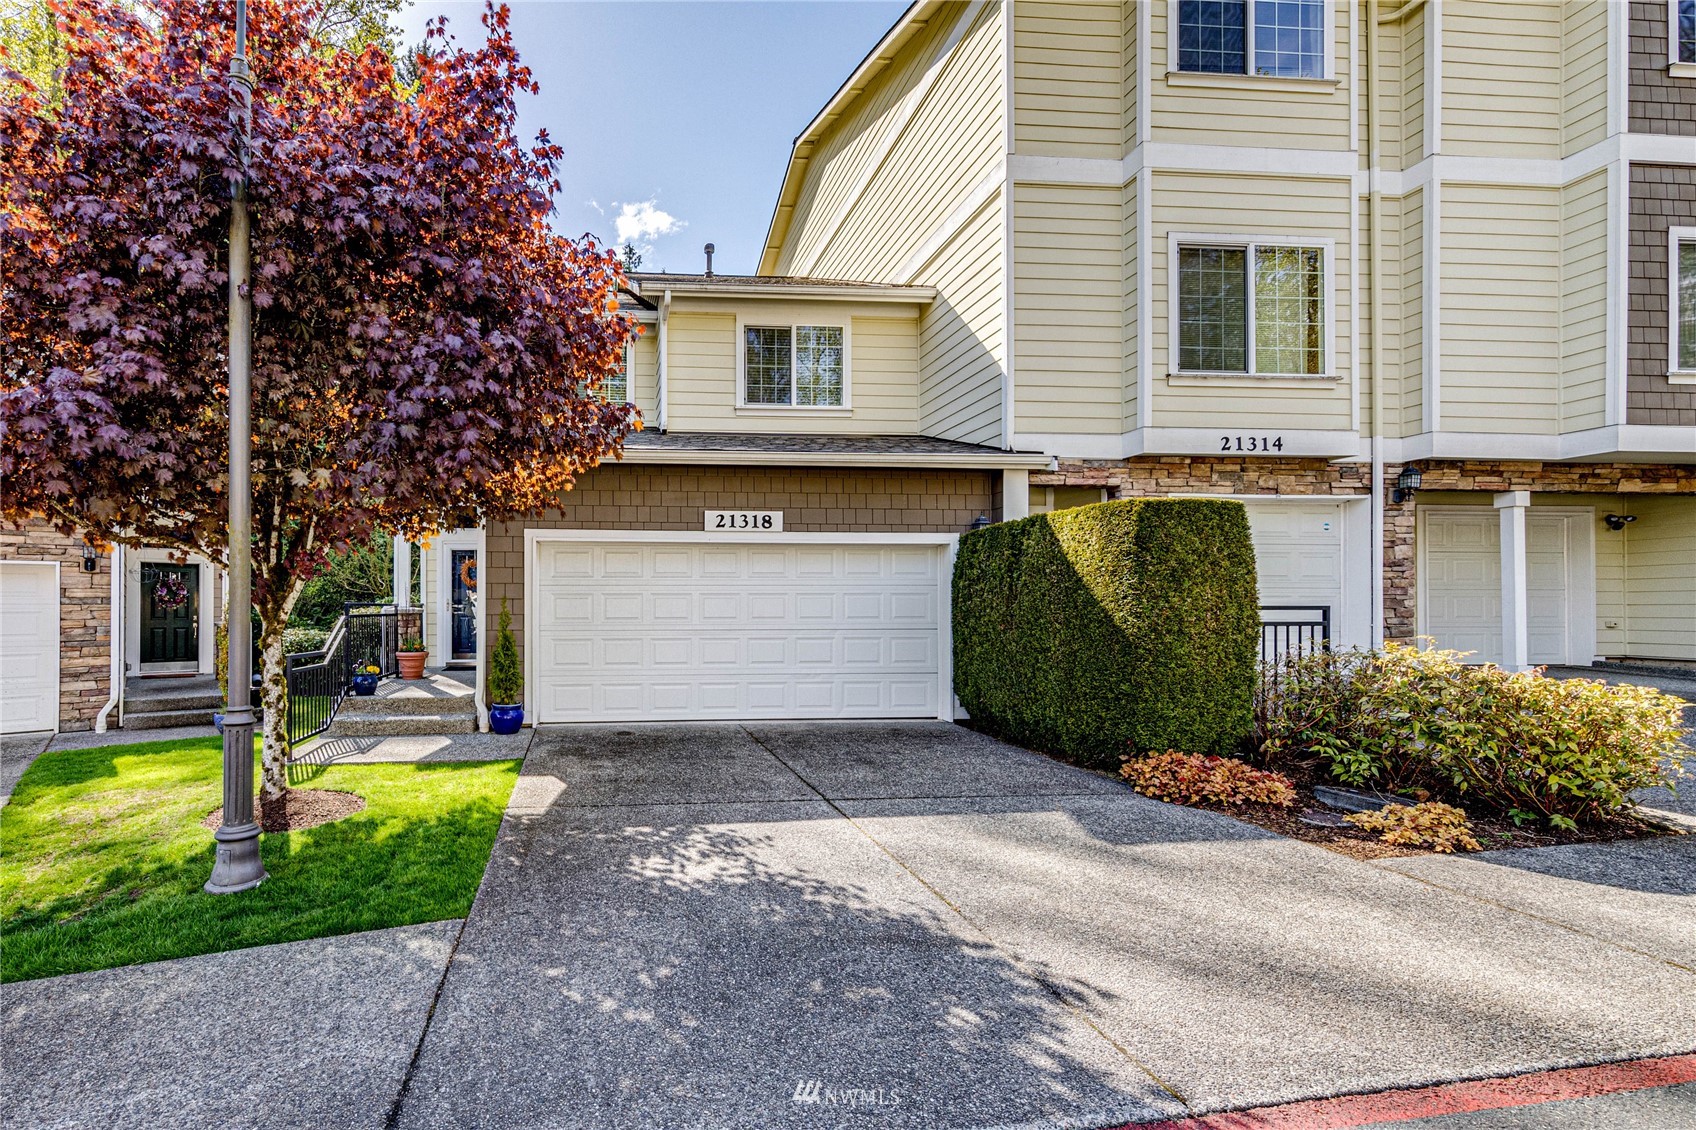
427	353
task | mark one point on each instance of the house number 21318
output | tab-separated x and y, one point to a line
762	521
1251	443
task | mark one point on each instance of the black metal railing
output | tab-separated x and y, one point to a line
366	635
1298	629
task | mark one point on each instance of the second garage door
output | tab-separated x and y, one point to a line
29	647
635	631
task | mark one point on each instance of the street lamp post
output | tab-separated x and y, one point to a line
238	866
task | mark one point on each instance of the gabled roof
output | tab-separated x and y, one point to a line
911	22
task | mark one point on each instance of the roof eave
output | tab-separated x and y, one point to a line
914	295
949	461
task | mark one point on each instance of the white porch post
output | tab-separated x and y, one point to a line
1516	608
1015	495
403	573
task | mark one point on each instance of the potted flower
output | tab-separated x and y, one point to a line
411	657
365	680
506	680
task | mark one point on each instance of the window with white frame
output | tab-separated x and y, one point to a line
1255	308
615	386
1683	21
1276	38
793	366
1683	321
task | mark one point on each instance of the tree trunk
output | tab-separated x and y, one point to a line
274	695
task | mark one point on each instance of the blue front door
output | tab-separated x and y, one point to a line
462	608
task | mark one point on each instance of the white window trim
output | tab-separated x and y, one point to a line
1676	67
1323	83
1328	287
742	404
629	365
1676	375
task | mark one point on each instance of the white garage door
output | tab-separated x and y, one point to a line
1463	585
673	631
29	647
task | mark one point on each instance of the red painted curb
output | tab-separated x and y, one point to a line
1447	1098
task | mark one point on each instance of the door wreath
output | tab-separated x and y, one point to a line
170	593
468	574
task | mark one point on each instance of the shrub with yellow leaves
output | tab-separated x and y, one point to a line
1440	827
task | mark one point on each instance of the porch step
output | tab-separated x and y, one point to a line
355	705
186	699
160	719
370	725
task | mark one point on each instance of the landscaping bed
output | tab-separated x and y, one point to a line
1492	832
103	853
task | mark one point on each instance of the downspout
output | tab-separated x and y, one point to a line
1374	326
660	391
117	676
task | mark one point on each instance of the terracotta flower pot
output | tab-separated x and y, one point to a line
411	663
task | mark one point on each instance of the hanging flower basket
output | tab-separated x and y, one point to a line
170	593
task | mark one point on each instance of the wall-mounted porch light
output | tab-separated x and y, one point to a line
90	559
979	522
1406	483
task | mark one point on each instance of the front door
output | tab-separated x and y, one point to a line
462	609
170	616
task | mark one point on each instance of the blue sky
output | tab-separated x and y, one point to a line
676	118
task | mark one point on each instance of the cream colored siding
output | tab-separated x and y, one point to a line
1660	596
1387	376
1069	309
1584	85
1501	309
1066	77
1294	116
924	169
1289	208
1411	113
1502	78
1412	282
883	369
644	373
960	338
1129	62
1584	302
1610	585
1389	93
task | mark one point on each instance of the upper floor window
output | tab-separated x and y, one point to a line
1683	267
615	386
793	366
1279	38
1256	308
1684	31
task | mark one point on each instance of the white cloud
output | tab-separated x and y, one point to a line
640	223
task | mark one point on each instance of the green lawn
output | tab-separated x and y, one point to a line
102	856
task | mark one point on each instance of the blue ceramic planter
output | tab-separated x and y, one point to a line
218	722
365	685
506	719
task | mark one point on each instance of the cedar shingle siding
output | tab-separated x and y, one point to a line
1660	103
1662	196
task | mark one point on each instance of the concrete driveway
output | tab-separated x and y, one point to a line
913	925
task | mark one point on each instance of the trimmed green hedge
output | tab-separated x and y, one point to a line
1107	629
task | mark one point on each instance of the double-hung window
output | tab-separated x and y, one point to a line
1682	18
1682	271
615	386
1253	308
1277	38
793	366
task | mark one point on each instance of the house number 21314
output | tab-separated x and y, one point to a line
1251	443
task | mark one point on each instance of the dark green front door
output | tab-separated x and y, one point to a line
170	631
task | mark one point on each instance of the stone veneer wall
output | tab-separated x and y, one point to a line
649	497
1660	103
1157	476
85	619
1662	196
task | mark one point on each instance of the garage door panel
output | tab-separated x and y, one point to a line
29	648
1463	584
743	631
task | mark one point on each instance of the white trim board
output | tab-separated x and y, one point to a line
946	544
